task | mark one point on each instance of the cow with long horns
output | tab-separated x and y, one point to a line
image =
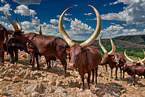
50	46
3	35
113	59
137	67
84	58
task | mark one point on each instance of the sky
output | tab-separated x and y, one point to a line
119	17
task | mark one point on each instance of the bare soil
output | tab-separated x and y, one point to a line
51	83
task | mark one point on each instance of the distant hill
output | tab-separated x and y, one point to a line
139	39
134	45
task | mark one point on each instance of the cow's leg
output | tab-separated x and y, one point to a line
33	60
16	55
3	58
116	73
111	73
48	62
89	73
123	73
106	67
38	68
96	76
51	63
12	57
92	76
83	85
120	73
63	62
133	76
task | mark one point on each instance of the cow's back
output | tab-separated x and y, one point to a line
95	56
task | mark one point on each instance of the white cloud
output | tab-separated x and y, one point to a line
3	1
27	1
117	30
6	8
133	13
54	21
6	25
79	30
88	14
28	26
24	10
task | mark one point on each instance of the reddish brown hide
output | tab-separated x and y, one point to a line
133	70
3	33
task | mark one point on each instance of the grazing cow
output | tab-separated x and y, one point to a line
3	34
84	58
133	70
50	46
113	59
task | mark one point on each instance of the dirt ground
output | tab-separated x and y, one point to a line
22	82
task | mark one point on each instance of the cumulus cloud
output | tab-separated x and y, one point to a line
6	8
118	30
6	25
27	1
79	30
133	13
3	1
54	21
32	25
25	11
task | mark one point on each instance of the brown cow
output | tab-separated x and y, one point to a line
133	70
84	58
113	59
49	46
3	33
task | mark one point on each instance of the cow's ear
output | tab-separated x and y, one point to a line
68	50
85	50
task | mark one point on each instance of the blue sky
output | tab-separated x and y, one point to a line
119	17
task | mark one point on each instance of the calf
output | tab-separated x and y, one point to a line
133	70
84	58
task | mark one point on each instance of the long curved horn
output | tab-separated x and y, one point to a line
127	56
113	46
20	27
40	32
62	31
102	47
14	25
96	32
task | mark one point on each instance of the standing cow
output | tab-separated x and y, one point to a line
50	46
3	34
84	58
113	59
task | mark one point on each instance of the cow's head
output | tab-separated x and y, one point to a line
134	62
17	36
78	49
109	57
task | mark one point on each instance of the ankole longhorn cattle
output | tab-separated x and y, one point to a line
3	34
84	58
137	68
113	59
50	46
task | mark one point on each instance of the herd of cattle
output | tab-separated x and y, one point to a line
84	58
